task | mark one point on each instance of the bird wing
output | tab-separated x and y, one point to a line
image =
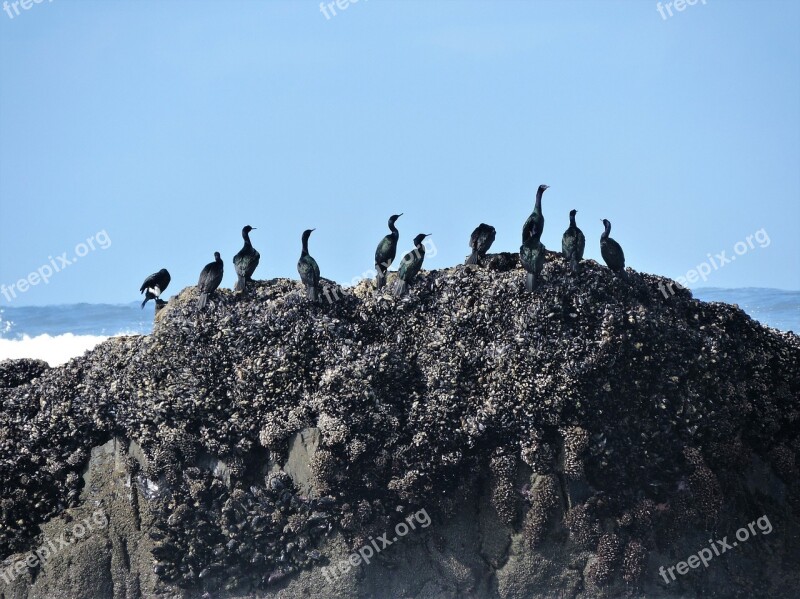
386	251
149	282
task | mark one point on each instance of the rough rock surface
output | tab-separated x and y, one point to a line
567	443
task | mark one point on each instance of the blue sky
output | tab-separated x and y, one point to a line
169	125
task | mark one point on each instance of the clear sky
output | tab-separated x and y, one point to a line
167	125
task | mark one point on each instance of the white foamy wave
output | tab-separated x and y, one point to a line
53	349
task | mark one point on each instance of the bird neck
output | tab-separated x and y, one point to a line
393	229
606	232
305	247
572	221
539	194
246	237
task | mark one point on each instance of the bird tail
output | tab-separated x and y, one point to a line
574	261
240	283
312	292
401	288
380	279
530	282
473	258
202	300
147	297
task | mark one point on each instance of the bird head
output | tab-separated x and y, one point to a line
420	238
394	217
217	257
607	224
542	187
247	229
572	213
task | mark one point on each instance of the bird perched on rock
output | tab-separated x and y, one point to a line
154	285
531	255
611	250
536	219
210	278
308	269
385	252
480	241
410	265
573	242
246	261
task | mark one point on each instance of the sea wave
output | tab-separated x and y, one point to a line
53	349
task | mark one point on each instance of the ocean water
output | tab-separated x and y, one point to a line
57	333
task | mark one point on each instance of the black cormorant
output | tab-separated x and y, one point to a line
536	219
531	255
573	242
210	278
410	265
308	269
480	241
611	250
385	252
246	261
154	285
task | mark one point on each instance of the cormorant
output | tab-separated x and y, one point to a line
246	261
410	265
611	250
385	252
573	242
154	285
308	269
536	218
531	255
210	278
480	241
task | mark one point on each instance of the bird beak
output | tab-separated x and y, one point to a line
401	214
253	228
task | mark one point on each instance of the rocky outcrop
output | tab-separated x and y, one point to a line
470	440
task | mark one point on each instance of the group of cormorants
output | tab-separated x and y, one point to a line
573	242
531	256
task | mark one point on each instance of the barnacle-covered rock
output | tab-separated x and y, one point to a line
643	418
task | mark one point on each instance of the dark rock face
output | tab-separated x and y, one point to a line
572	440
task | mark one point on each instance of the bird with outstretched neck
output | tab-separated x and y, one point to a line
531	256
386	251
410	266
154	285
308	269
245	261
536	219
480	241
210	278
573	243
611	250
